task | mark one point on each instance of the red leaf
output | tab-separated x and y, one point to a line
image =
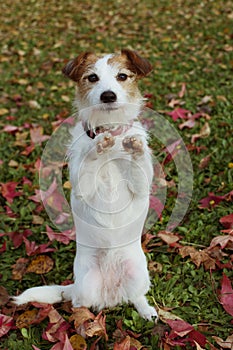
226	296
211	201
57	327
6	323
156	205
33	249
172	151
10	129
52	197
64	237
179	113
37	136
3	248
8	191
180	327
17	237
227	221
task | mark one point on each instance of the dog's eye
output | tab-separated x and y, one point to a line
93	78
122	77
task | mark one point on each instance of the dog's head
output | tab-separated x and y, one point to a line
108	83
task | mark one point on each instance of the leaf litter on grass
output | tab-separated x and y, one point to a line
190	46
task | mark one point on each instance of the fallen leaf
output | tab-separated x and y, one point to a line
198	257
179	113
33	249
9	192
156	205
17	237
19	268
226	295
37	135
97	327
223	241
123	345
64	237
225	344
81	315
182	91
211	201
4	296
26	319
78	342
40	265
204	162
204	132
57	327
168	237
227	221
6	323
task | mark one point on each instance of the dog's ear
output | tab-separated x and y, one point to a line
75	68
137	64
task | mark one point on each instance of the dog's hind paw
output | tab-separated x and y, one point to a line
133	145
105	144
149	314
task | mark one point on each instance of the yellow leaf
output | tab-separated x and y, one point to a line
78	342
40	265
26	319
4	111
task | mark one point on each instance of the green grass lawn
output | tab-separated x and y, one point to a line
189	44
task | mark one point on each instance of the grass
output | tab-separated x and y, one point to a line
187	42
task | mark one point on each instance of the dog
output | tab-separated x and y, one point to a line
111	173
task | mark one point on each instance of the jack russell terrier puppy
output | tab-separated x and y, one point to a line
111	174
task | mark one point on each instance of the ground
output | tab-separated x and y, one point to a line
189	44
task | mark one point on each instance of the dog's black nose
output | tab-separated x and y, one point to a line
108	97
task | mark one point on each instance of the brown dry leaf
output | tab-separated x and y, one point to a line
227	344
19	268
78	342
204	162
198	257
37	220
123	345
4	296
165	315
40	265
81	315
204	132
198	347
155	266
168	237
26	319
97	327
135	344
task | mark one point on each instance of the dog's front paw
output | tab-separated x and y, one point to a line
105	144
133	145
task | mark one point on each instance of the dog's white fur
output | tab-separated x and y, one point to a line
111	176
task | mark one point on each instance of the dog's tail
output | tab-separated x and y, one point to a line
45	294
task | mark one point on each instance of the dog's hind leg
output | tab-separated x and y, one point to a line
45	294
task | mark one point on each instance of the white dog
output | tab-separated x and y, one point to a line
111	173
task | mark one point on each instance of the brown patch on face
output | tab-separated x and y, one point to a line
130	84
75	68
137	64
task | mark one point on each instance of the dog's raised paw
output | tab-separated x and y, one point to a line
133	145
105	144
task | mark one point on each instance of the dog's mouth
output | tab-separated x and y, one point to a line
109	107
